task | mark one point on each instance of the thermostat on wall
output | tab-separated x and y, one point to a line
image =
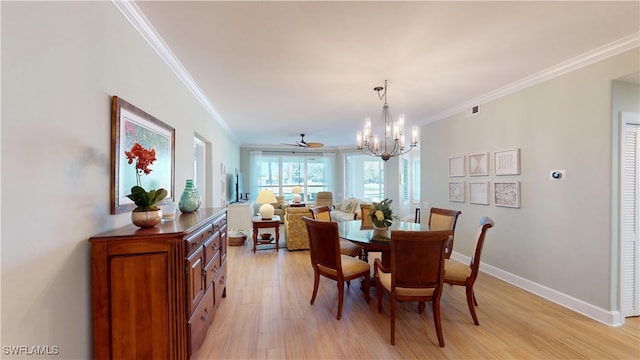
557	175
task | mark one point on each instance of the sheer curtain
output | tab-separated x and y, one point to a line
255	171
329	170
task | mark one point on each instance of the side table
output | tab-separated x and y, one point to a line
259	223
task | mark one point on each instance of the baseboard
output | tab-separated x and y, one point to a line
611	318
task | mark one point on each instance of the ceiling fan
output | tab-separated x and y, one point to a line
304	144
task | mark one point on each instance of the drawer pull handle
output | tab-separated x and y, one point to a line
206	315
204	272
222	280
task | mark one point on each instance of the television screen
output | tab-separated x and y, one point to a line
240	187
236	188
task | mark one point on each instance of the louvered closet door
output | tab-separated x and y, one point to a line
629	205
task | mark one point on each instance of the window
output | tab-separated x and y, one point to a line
364	177
416	180
280	173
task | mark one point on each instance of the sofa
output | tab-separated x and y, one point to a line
295	230
347	210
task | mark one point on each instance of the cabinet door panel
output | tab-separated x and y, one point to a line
195	280
139	306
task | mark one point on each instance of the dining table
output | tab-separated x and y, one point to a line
363	235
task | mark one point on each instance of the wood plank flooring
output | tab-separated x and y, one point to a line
267	315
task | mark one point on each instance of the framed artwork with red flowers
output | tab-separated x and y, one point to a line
131	129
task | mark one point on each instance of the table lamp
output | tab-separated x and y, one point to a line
296	191
266	197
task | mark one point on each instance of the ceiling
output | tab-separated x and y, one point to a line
272	70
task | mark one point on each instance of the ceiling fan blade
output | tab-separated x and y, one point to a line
314	145
296	145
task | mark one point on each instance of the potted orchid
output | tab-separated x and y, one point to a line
146	213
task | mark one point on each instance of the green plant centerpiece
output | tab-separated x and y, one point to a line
381	214
144	200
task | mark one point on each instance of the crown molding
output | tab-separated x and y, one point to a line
624	44
133	14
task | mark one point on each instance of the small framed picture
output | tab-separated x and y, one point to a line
456	191
479	192
507	162
479	164
507	193
456	166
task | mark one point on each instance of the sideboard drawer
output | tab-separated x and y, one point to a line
211	247
212	269
199	322
198	239
220	284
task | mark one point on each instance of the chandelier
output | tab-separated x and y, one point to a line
388	140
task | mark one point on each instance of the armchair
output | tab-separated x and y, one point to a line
295	230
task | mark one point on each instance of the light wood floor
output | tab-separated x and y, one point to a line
266	315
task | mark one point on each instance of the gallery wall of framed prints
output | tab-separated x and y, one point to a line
478	190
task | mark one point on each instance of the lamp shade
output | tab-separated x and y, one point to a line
266	197
296	191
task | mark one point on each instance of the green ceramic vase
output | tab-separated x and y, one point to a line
190	200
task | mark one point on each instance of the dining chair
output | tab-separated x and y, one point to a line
326	259
457	273
416	273
323	213
444	219
366	217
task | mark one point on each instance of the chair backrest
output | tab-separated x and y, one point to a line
324	198
417	258
365	211
324	243
443	219
485	224
322	213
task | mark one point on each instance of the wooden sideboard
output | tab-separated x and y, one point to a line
155	290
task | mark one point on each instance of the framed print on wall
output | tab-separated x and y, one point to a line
507	193
456	166
456	191
130	125
507	162
479	192
479	164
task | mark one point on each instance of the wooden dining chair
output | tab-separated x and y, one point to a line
444	219
326	259
323	213
457	273
416	273
366	214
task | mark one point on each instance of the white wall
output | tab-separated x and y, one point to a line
560	238
61	64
